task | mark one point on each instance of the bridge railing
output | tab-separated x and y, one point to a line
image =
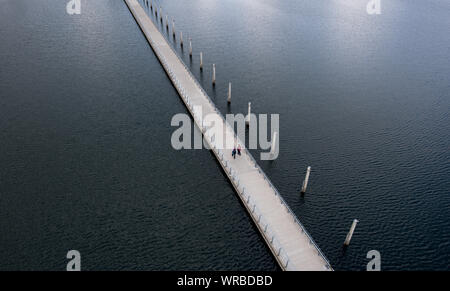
269	233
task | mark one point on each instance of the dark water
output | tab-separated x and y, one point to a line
86	161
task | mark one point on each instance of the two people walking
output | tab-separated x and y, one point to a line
233	153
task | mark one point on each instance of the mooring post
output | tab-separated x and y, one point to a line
247	119
214	75
181	38
350	233
305	182
151	5
160	14
190	47
229	92
167	21
201	61
173	27
274	143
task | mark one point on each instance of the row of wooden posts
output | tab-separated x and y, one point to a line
247	120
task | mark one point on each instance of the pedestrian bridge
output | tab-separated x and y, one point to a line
291	245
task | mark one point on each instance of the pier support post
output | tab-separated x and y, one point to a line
190	48
181	38
214	75
151	5
173	27
201	61
350	233
160	14
229	92
274	144
247	119
305	182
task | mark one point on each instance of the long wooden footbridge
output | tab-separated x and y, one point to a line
289	242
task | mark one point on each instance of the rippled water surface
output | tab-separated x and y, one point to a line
85	154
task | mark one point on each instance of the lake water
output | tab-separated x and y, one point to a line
85	153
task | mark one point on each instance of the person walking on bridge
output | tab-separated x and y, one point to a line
233	153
